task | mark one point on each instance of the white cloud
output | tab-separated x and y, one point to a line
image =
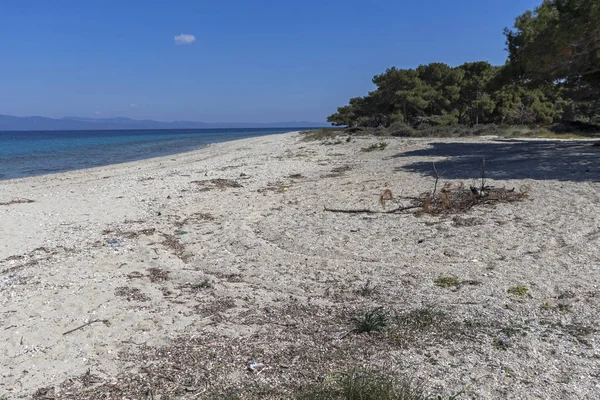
184	38
98	112
133	105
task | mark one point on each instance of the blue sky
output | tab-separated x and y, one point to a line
251	61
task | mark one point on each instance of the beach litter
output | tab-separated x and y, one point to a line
113	243
255	367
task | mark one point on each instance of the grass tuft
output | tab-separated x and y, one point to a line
446	281
371	321
367	385
375	146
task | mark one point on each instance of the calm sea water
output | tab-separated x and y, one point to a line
36	153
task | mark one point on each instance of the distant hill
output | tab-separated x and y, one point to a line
10	123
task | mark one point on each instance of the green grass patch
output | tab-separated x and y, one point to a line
366	385
446	281
360	384
518	290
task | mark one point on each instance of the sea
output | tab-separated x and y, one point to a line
35	153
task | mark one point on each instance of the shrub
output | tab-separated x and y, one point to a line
321	134
400	129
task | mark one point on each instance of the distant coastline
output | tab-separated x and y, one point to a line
12	123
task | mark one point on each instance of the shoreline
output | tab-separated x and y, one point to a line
72	163
125	164
228	251
37	186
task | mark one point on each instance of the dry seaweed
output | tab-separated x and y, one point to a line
157	275
131	294
219	183
172	242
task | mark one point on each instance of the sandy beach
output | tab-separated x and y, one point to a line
169	276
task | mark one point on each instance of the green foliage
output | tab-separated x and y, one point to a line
476	103
401	129
371	321
344	116
518	290
559	40
375	146
322	134
446	281
439	95
552	76
367	385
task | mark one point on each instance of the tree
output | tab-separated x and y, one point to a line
558	41
520	104
371	110
442	91
401	92
476	104
344	116
552	75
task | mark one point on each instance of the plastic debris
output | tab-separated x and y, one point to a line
254	366
114	243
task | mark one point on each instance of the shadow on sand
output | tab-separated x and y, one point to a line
577	161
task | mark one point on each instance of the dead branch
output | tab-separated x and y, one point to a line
437	178
356	211
482	176
451	200
105	321
368	211
17	201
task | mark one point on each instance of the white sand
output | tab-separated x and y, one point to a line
63	256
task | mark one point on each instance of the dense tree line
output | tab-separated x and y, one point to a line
552	75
